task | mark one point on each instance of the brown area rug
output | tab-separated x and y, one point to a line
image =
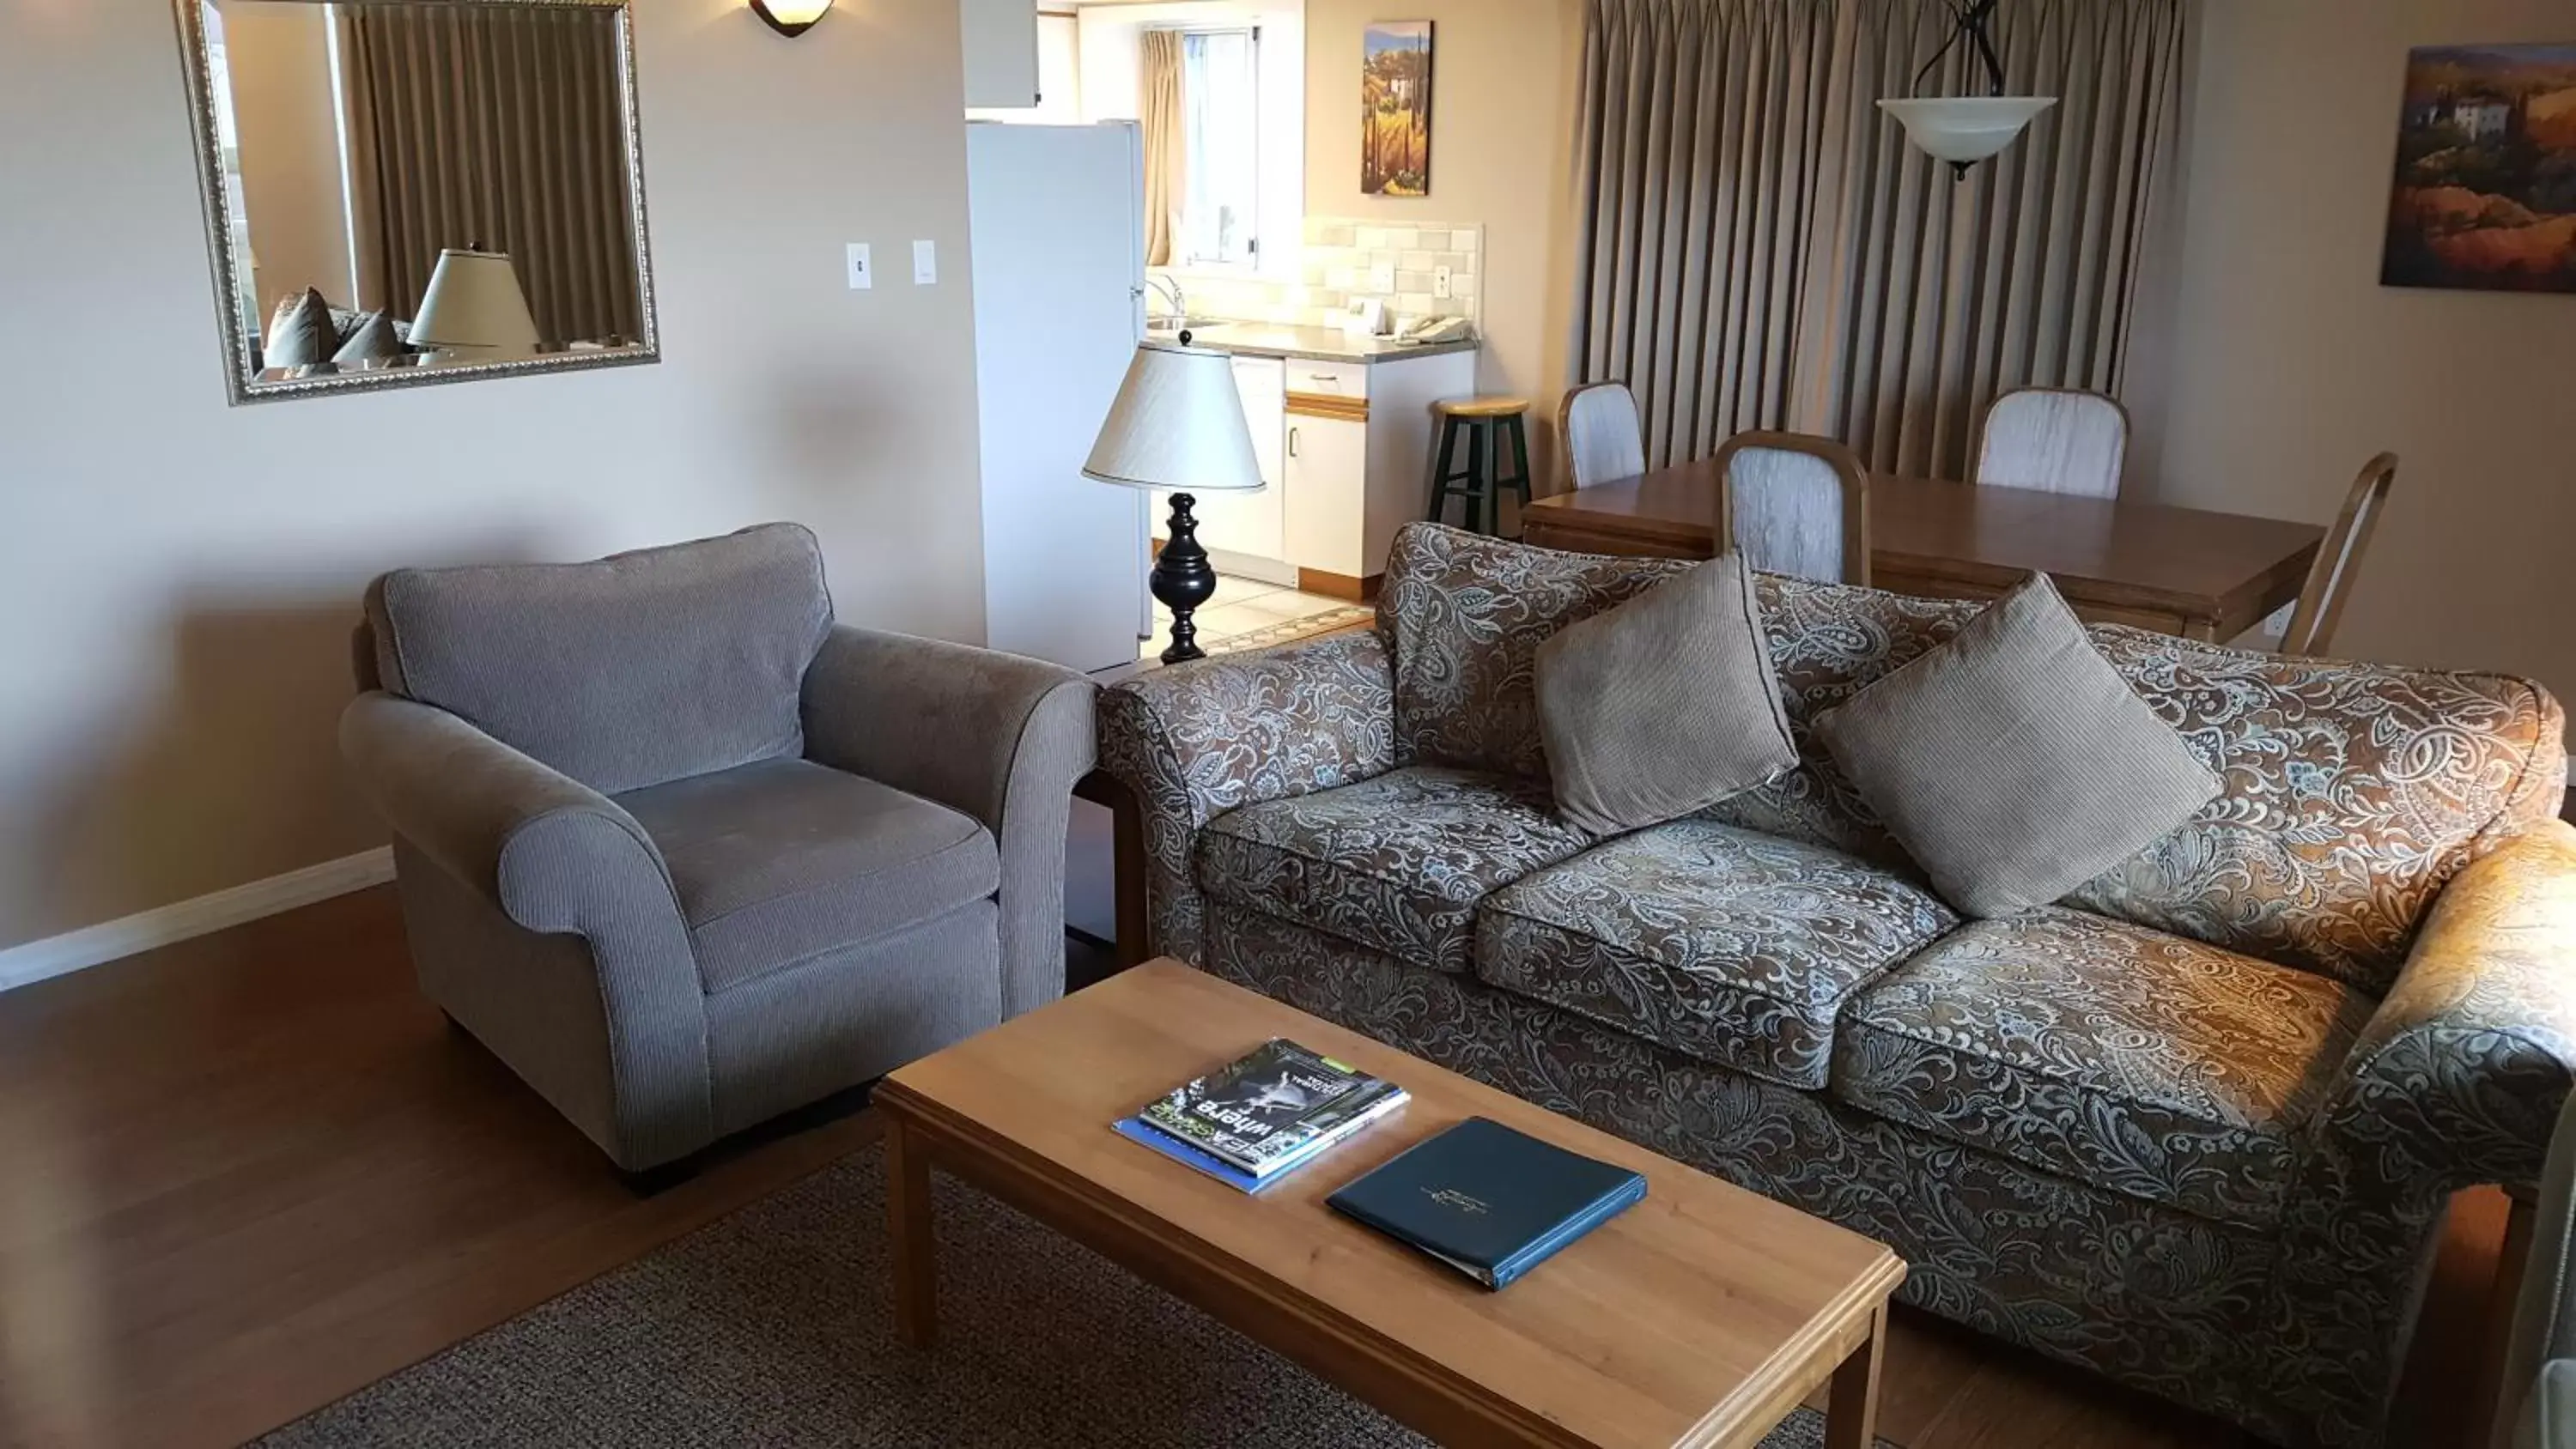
772	1327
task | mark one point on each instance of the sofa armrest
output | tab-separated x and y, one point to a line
548	851
553	857
1195	741
998	736
2459	1076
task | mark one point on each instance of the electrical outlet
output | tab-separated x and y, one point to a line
925	263
1382	277
863	273
1440	283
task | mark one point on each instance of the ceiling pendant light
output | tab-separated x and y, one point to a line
1964	130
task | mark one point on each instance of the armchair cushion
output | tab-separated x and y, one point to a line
629	671
780	861
2108	1053
1398	862
1724	945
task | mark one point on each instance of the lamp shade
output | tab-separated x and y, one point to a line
1965	129
474	301
1178	423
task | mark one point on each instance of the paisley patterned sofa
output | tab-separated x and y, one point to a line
2193	1126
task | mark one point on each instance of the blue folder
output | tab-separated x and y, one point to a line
1491	1202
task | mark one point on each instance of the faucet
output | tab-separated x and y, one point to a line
1171	290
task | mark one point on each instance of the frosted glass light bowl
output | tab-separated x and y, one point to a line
1965	129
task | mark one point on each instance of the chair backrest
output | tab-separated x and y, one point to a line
632	670
2055	440
2329	585
1599	435
1794	504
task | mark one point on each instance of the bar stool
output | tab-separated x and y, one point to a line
1486	423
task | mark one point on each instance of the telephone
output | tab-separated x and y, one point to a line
1433	329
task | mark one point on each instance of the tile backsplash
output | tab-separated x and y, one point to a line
1343	258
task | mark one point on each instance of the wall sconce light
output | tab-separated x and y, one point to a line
791	17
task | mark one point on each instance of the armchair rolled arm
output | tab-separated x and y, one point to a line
999	736
547	850
2459	1076
1196	741
556	858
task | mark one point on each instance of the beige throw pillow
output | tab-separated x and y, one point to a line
1663	705
2013	762
300	333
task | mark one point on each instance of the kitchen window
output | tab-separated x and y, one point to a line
1221	106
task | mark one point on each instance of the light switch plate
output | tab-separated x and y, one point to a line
1382	277
925	263
1440	283
863	273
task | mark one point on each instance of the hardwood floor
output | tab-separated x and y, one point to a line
244	1176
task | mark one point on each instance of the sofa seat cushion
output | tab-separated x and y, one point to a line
1397	862
1725	945
779	861
2116	1055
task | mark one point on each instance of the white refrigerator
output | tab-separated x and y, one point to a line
1057	218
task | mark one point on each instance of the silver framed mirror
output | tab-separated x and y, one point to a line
408	192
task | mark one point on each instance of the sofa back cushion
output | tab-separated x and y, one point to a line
2351	792
633	670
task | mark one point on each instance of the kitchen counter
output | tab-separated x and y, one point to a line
1317	344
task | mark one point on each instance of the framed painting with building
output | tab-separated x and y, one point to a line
1395	108
2485	193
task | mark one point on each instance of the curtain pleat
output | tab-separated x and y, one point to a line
1158	108
495	126
1761	247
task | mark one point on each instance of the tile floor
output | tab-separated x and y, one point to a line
1240	606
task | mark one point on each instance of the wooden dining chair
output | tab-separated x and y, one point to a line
2055	440
2329	585
1794	504
1599	435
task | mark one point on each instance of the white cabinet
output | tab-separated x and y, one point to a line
1001	45
1328	495
1247	532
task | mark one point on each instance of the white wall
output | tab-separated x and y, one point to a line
177	578
2289	364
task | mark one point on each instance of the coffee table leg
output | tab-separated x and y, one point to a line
916	1266
1851	1415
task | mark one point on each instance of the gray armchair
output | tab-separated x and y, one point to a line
685	853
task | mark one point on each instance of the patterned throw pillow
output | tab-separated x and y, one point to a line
300	332
2013	763
1663	705
373	339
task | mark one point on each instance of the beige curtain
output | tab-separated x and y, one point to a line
1761	248
496	125
1166	143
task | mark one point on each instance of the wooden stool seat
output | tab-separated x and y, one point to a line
1482	407
1488	425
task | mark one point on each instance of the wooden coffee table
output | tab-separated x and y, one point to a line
1701	1316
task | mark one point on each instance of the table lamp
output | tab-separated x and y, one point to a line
1178	425
474	309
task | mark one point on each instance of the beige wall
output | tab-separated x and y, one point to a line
177	577
1502	104
280	58
2290	364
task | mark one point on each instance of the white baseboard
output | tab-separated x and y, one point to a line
181	920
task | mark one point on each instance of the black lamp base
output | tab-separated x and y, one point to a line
1183	580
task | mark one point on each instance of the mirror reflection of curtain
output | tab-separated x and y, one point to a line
1760	248
1160	115
496	125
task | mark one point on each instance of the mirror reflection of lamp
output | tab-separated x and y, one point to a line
474	310
790	17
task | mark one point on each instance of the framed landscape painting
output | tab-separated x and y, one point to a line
2485	195
1395	108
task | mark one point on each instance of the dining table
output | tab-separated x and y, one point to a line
2185	571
